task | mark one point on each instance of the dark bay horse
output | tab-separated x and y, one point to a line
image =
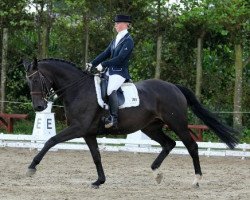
161	103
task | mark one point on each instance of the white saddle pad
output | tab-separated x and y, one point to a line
129	90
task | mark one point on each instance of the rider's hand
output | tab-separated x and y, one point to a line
99	67
89	66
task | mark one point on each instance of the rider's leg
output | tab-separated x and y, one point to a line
115	81
112	120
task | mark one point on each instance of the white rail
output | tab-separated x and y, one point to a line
131	145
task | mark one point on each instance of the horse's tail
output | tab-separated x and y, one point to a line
224	132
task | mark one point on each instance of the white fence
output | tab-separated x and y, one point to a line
130	144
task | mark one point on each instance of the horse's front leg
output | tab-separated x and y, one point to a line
93	147
65	135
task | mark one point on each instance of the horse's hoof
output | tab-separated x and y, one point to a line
158	176
30	172
196	185
196	181
95	186
97	183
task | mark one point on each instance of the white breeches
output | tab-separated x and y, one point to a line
115	81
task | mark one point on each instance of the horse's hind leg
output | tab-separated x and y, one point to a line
192	147
154	131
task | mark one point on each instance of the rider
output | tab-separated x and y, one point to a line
115	60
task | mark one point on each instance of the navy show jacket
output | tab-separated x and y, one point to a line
119	57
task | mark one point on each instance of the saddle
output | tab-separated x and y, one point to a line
127	94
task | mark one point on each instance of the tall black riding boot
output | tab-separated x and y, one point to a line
112	120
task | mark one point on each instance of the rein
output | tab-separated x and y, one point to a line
28	76
48	94
63	89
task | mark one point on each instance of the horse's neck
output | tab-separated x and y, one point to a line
67	81
62	77
71	87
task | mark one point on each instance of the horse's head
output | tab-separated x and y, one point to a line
39	85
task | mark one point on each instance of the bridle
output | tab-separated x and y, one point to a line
48	93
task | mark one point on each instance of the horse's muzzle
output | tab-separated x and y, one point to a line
40	108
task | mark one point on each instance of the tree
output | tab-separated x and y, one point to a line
82	29
43	21
10	17
159	41
233	16
195	18
226	19
4	67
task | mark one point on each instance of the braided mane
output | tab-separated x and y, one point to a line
65	61
60	60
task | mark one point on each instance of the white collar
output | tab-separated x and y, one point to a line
120	35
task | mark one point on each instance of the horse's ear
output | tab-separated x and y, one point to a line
26	65
34	64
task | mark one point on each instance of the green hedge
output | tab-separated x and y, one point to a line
26	127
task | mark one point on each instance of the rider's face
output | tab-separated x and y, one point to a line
120	26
